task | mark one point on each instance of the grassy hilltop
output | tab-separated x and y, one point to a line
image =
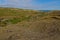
24	24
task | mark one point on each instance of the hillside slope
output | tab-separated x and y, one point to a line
20	24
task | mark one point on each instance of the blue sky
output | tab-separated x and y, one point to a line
32	4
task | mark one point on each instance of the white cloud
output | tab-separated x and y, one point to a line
19	2
29	4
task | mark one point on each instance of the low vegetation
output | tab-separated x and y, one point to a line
21	24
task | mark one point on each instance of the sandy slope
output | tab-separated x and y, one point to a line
37	27
35	30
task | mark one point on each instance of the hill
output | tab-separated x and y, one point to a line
23	24
45	10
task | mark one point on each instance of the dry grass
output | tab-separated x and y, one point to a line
19	24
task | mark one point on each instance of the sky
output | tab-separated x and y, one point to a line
32	4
